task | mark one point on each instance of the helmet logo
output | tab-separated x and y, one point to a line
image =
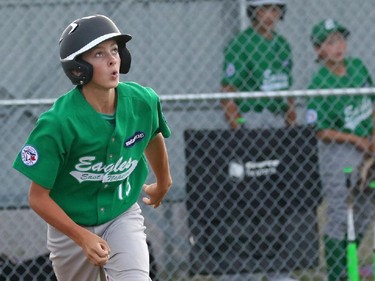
73	26
329	24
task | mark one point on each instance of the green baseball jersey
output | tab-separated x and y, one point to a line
349	114
94	170
254	63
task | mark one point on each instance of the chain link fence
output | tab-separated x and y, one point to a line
245	204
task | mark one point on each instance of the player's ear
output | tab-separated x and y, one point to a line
79	71
319	52
75	72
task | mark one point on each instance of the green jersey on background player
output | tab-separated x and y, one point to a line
344	126
259	59
349	114
87	159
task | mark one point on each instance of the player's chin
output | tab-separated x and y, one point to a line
112	83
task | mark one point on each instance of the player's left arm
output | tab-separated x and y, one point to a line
157	156
372	143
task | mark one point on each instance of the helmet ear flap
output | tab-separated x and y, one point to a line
250	11
283	11
125	60
78	71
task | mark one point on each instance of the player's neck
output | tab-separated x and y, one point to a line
265	31
101	101
338	68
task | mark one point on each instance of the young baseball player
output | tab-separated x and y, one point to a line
259	59
344	126
87	159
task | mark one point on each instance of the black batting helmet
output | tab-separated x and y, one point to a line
82	35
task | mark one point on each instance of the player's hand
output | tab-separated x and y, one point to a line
363	144
96	249
155	194
367	145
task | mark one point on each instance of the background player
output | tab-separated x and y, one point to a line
259	59
86	159
344	127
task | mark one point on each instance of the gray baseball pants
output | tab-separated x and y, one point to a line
129	258
333	159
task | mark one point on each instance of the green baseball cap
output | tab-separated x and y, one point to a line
323	29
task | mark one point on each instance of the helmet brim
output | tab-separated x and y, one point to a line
258	3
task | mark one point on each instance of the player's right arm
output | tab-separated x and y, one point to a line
231	112
234	67
95	248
